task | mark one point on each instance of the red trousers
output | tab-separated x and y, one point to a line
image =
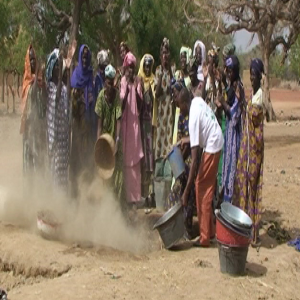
205	188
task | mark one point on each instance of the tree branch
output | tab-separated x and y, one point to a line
96	12
56	11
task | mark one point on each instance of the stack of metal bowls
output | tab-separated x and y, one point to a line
235	219
233	230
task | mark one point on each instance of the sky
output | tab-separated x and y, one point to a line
242	39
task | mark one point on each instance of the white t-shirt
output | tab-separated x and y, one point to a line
204	128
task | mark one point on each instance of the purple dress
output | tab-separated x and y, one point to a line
231	149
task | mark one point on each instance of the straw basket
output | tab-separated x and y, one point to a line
104	156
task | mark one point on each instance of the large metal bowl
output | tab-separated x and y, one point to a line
171	226
235	215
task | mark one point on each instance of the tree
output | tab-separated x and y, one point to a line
295	59
276	22
65	16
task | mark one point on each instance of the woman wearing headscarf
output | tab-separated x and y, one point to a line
108	108
212	80
164	119
181	182
84	127
196	85
147	77
131	95
182	74
249	174
58	134
199	53
33	107
103	60
233	110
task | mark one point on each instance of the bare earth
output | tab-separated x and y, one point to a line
34	268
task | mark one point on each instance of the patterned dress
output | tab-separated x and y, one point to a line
147	140
165	116
249	174
110	114
180	184
58	135
231	149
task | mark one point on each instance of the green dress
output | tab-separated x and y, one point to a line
110	113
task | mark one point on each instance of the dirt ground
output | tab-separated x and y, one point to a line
34	268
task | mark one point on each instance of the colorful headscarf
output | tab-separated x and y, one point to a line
229	49
258	67
129	59
232	62
28	79
148	81
51	61
103	57
110	72
82	78
188	52
203	50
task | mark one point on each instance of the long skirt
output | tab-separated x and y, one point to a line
205	188
133	183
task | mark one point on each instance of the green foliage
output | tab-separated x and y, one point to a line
295	59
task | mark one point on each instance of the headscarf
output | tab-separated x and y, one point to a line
82	78
188	52
148	81
165	44
28	79
110	72
129	59
229	49
51	61
103	57
203	50
232	62
258	67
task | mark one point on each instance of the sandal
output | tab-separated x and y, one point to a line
257	243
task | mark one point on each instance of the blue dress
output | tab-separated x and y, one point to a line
231	148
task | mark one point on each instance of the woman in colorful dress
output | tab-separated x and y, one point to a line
166	109
249	174
103	60
57	121
182	74
131	95
33	106
199	54
84	126
196	86
145	73
233	109
108	108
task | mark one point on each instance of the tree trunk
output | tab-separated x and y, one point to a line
269	111
3	86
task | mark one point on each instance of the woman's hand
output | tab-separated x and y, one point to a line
184	198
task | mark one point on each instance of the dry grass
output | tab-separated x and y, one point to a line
290	85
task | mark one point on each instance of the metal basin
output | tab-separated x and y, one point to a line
235	215
171	226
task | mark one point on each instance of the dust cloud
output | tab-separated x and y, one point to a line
96	217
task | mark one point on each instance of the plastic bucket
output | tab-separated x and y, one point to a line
162	188
171	226
176	162
232	259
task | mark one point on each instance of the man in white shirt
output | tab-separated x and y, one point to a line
206	141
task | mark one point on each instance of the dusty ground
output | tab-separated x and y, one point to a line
34	268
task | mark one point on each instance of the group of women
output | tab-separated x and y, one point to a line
141	113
